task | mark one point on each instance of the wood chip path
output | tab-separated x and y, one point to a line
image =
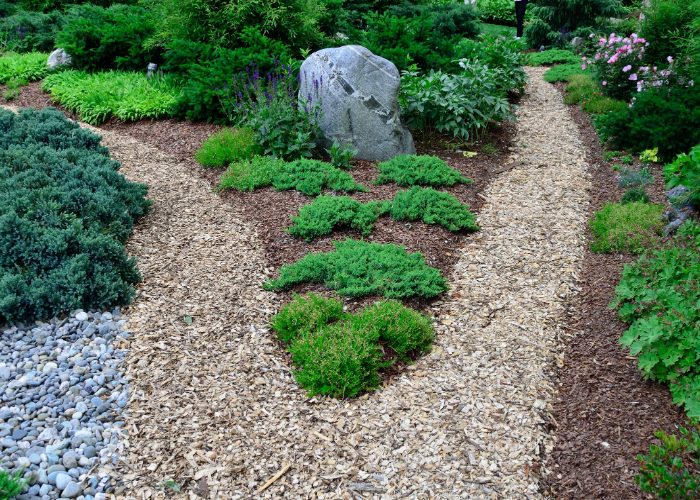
214	406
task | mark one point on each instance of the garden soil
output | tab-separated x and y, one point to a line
606	413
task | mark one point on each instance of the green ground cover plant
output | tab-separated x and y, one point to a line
498	30
598	104
685	171
99	96
553	56
418	170
312	176
432	207
227	146
580	88
65	213
658	296
23	67
305	314
562	72
634	195
247	175
629	177
329	212
662	472
632	227
108	38
10	485
339	354
359	269
341	157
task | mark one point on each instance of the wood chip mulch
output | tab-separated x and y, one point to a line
606	412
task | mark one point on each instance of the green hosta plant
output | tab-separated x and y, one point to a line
632	227
659	295
311	176
412	170
432	207
358	269
328	212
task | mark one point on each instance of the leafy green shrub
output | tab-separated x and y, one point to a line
339	360
432	207
635	195
662	473
461	104
632	227
685	170
498	11
208	68
28	67
247	175
105	38
675	127
65	212
221	22
630	177
52	5
305	315
341	157
421	170
329	212
10	485
658	296
128	96
449	19
311	176
405	41
338	353
610	155
406	331
562	72
358	269
29	31
666	26
554	56
226	146
503	57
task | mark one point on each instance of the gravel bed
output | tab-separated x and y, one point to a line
62	396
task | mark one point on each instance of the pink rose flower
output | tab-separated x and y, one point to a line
604	83
633	77
627	68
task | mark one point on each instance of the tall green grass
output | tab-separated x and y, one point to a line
23	67
128	96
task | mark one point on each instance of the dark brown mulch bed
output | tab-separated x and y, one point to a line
270	210
603	396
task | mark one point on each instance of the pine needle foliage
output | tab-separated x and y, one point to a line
432	207
305	314
359	269
65	213
312	176
247	175
339	354
226	146
414	170
329	212
10	484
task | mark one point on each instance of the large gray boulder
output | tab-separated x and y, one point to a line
359	93
58	57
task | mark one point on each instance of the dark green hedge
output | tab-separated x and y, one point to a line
65	213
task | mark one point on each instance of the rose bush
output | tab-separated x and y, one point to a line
617	63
